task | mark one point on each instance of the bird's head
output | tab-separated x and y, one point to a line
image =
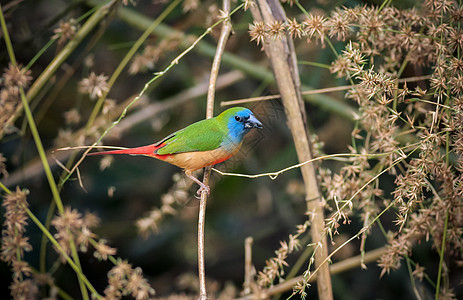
239	121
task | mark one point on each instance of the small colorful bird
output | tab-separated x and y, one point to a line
201	144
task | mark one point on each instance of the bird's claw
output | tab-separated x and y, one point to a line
205	188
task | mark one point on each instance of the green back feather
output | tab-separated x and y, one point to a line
200	136
204	135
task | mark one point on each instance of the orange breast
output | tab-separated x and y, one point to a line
192	161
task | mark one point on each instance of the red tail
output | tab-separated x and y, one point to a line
143	150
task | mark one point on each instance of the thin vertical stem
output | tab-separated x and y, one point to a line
412	279
6	36
441	259
201	221
247	265
225	32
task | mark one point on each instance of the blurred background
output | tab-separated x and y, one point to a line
122	190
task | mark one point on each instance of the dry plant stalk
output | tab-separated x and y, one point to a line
282	57
224	34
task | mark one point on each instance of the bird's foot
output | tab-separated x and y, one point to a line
202	188
205	188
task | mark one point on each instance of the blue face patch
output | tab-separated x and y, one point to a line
241	123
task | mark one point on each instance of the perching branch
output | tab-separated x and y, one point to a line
224	34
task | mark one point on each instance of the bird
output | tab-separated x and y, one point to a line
201	144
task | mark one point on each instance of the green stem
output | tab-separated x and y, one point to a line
39	146
4	188
76	259
71	263
301	8
412	279
383	5
60	58
6	36
127	58
64	295
332	47
41	51
43	242
381	227
51	180
314	64
300	262
441	254
41	151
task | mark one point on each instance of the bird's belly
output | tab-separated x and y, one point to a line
192	161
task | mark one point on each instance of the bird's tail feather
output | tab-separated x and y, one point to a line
148	150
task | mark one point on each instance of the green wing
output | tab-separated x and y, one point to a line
204	135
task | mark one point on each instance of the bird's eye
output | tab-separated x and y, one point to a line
238	118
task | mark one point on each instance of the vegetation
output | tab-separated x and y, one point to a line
374	88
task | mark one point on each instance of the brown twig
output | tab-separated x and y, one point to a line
271	97
224	34
10	5
315	91
248	268
284	63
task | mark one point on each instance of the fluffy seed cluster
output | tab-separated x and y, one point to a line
152	53
275	266
387	117
73	228
124	280
411	128
65	31
178	194
14	78
15	244
94	85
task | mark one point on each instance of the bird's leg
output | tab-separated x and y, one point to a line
202	185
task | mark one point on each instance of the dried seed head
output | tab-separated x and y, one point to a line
94	85
315	25
16	76
258	32
276	29
294	28
65	31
